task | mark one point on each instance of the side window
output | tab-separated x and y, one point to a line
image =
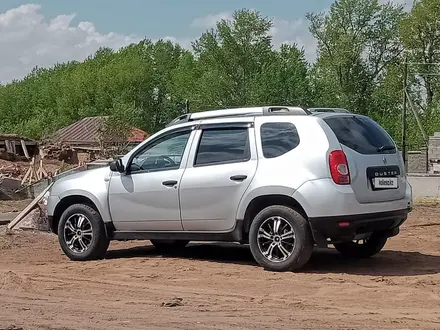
278	139
223	145
164	154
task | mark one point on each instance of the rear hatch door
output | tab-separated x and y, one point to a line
376	166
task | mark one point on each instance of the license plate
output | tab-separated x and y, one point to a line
385	183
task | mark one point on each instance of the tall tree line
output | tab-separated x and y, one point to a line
362	45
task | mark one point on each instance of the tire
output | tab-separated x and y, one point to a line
169	245
300	247
97	243
372	246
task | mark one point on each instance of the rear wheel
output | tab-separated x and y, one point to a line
280	239
169	244
363	248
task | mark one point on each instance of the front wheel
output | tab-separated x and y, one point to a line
81	233
364	248
280	239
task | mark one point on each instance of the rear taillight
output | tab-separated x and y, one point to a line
339	167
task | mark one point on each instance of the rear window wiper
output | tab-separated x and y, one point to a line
385	148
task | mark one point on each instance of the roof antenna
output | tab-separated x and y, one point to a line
186	106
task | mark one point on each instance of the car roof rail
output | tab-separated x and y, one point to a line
239	112
339	110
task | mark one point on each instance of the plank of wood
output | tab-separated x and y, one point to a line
28	208
26	175
8	146
25	151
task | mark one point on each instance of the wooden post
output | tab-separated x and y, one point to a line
25	151
8	146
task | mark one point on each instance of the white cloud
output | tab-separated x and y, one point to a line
209	21
27	40
294	32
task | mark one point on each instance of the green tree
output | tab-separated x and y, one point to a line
357	41
420	33
283	80
230	57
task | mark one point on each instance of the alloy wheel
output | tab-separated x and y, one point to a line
78	233
276	239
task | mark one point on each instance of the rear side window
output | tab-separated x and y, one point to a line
220	146
361	134
278	139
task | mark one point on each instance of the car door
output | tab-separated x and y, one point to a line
221	165
146	197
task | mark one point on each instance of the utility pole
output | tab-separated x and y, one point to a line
405	82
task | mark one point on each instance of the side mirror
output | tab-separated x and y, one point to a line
117	166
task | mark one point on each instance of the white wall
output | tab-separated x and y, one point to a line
425	185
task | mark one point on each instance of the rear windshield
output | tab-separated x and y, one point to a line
361	134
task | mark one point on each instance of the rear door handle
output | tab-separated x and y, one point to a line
238	178
169	183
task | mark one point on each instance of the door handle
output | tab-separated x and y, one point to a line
238	178
169	183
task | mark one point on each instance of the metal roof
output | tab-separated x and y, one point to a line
86	131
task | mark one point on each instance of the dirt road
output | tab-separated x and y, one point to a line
220	287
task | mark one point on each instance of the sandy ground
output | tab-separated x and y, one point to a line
219	286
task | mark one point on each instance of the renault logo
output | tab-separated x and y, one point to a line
384	160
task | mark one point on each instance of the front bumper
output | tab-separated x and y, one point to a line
345	228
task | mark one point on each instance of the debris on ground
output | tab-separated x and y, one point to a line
61	152
12	327
175	302
35	220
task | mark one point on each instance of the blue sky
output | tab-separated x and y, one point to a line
154	18
45	32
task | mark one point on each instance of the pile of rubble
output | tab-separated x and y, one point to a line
60	152
15	170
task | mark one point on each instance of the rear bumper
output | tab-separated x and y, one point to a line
352	225
323	198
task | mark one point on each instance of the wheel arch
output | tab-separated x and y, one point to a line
261	202
64	203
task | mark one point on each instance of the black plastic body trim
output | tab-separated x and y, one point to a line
383	171
50	223
388	223
233	236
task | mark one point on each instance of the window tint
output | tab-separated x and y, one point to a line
361	134
278	138
165	154
223	146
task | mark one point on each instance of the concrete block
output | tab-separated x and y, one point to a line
425	186
10	184
416	162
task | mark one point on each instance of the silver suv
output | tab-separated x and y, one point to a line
281	179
